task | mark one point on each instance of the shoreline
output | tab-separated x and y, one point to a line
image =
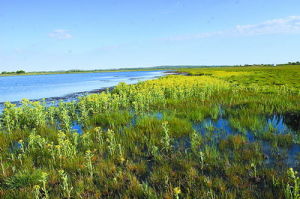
70	96
74	96
78	72
65	98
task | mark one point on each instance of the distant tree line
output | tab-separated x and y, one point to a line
294	63
16	72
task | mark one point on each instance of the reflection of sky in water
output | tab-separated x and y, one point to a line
15	88
277	123
222	129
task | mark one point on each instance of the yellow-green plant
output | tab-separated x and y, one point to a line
99	136
43	180
2	166
65	119
66	186
292	189
196	141
67	148
88	163
166	140
9	116
177	191
37	145
36	191
87	140
111	142
253	166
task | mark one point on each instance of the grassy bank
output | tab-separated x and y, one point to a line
214	133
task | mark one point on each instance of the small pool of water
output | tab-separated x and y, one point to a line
221	128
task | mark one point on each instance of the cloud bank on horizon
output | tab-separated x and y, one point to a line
287	25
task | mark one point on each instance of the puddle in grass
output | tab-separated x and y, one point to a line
277	122
77	128
293	156
282	156
221	128
214	126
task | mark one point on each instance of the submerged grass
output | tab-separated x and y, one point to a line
204	135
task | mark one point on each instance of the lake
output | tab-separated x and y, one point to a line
33	87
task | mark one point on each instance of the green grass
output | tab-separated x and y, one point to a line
140	141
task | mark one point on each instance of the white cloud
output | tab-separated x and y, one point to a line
288	25
60	34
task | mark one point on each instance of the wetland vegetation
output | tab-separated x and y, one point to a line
229	132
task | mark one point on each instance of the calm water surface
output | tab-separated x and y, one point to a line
15	88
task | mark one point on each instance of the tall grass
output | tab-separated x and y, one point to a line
140	141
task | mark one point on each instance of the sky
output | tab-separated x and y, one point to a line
53	35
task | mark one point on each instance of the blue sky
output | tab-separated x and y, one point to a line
98	34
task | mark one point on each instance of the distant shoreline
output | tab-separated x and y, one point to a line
78	72
166	67
75	95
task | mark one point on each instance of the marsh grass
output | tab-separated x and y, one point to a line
216	133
